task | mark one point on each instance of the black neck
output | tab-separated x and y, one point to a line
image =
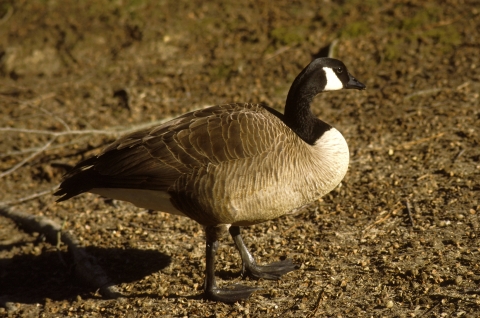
298	115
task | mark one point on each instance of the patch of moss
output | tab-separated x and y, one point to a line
4	9
393	50
220	72
355	29
421	18
288	36
447	36
134	3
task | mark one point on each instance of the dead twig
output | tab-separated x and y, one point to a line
424	176
114	131
60	133
290	229
28	197
331	48
382	219
277	52
431	309
317	305
458	155
55	134
7	15
409	210
377	222
24	161
34	149
290	308
458	297
423	92
60	120
86	266
407	145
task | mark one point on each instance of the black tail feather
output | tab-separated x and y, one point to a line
80	179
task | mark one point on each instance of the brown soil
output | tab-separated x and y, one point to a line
398	238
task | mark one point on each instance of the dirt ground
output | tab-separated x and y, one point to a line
398	238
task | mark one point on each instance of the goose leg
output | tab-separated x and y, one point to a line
249	265
230	294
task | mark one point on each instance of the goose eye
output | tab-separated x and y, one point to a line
339	70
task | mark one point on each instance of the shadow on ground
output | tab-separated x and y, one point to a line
51	274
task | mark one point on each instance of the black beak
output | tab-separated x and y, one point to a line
354	84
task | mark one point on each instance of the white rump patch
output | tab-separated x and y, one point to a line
333	82
147	199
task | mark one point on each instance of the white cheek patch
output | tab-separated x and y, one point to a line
333	82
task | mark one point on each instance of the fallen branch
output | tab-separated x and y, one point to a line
114	132
313	312
407	145
394	212
457	297
34	149
7	15
59	133
431	309
24	161
331	48
409	210
277	52
57	118
28	197
422	92
86	266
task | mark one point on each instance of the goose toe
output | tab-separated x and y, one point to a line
270	271
231	294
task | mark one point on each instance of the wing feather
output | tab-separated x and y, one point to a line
155	158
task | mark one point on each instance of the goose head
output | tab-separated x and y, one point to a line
322	74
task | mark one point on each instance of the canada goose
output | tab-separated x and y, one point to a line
228	166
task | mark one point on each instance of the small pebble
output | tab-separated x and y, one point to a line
458	280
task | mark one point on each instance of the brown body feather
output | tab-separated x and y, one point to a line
229	164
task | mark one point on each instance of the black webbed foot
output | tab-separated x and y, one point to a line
271	271
234	293
230	294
